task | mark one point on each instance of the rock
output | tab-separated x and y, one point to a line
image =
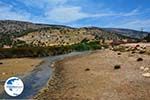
3	73
52	65
147	75
142	68
146	69
102	48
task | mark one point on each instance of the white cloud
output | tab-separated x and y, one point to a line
121	14
7	12
66	14
42	3
69	14
131	23
58	12
132	13
137	24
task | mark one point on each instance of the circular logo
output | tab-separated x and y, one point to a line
14	86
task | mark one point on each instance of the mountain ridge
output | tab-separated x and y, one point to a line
47	34
41	25
128	32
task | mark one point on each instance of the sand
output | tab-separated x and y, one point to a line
16	66
93	77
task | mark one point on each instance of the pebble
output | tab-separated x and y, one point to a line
52	65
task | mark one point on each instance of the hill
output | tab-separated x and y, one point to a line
19	27
18	32
128	32
11	29
63	36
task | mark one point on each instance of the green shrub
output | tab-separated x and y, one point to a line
30	51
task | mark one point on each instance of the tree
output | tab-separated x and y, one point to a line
85	40
147	38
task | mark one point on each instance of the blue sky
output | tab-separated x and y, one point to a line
132	14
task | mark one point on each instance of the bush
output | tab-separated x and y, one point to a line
142	52
147	38
119	53
140	59
46	51
87	69
83	46
117	67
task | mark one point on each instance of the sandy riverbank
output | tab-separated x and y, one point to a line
93	77
16	66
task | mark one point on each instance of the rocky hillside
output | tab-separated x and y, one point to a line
64	36
9	26
128	32
19	27
16	32
11	29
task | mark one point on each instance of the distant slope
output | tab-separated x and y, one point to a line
12	31
147	38
128	32
63	36
19	27
10	26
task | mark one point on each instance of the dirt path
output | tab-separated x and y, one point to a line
93	77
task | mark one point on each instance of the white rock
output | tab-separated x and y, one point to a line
52	65
147	75
146	69
3	73
142	68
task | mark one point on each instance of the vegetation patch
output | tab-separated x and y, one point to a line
87	69
117	67
119	53
140	59
29	51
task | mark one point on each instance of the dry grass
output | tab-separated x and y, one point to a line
15	67
101	82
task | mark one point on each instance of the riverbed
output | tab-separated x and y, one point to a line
94	77
38	78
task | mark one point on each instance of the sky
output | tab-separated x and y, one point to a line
132	14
